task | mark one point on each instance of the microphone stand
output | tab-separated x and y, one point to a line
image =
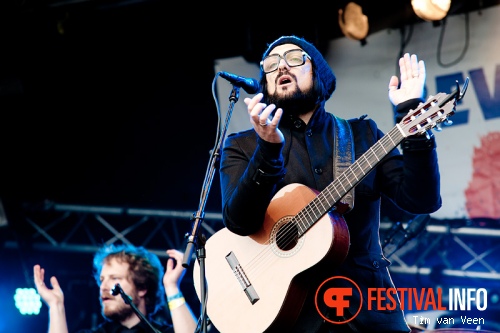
128	300
194	238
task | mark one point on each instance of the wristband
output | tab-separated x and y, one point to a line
176	303
171	298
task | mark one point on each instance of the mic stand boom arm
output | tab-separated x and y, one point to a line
194	237
128	300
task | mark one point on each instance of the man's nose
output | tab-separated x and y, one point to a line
105	287
282	63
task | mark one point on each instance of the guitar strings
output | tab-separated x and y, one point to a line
298	225
377	152
301	222
356	171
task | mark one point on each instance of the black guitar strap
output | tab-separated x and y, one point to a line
343	156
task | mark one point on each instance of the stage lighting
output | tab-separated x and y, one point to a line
27	301
494	297
3	216
353	23
431	10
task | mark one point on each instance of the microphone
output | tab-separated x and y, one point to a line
117	289
250	85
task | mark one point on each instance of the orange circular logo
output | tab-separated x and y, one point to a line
338	296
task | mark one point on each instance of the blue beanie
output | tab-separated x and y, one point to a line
325	73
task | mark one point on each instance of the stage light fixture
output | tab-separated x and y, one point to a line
3	216
27	301
431	10
353	23
494	297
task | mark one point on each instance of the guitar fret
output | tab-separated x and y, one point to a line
309	213
343	186
354	173
321	200
394	143
300	222
302	229
335	188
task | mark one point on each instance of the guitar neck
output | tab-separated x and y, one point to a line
351	177
435	110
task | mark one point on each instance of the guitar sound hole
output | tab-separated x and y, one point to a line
287	236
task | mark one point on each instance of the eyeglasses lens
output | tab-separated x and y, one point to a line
293	58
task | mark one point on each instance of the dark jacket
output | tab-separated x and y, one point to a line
253	170
115	327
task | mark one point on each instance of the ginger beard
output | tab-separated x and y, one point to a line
294	102
117	310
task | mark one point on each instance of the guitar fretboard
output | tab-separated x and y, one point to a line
436	109
351	177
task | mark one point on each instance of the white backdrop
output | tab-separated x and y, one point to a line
469	150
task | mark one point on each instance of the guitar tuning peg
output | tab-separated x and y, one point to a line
447	122
464	89
438	128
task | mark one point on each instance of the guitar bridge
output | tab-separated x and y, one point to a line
242	278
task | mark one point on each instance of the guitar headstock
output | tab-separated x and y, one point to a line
436	110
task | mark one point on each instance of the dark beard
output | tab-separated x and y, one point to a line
123	313
295	103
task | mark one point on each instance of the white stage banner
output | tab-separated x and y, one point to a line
469	149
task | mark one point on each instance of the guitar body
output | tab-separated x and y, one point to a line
274	272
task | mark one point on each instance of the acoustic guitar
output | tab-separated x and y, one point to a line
255	283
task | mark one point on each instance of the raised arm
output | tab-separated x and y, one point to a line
54	298
183	318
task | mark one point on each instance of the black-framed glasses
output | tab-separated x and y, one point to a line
293	58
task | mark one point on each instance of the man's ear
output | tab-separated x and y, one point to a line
142	293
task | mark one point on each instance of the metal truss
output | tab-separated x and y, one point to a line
452	251
444	251
75	228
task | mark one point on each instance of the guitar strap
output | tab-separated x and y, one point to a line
343	156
